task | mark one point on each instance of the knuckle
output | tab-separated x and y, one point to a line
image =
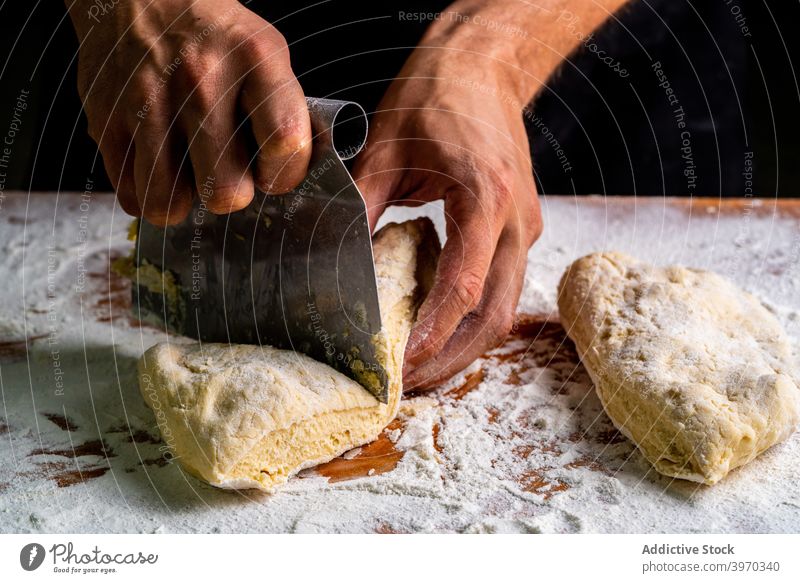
141	98
152	203
503	191
112	161
127	201
198	66
203	98
500	179
289	138
536	229
83	91
535	224
468	290
263	181
228	200
279	180
155	215
102	124
276	39
142	87
94	128
198	70
525	224
264	44
163	211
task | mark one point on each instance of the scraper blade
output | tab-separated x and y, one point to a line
294	271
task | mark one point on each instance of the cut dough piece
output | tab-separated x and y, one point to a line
241	416
692	369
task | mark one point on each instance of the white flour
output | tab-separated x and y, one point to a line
525	449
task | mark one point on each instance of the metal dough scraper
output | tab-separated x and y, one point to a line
293	271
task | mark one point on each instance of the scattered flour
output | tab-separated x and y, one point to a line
516	443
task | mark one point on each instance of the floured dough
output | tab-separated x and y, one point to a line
692	369
241	416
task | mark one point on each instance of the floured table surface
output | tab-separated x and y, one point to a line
517	443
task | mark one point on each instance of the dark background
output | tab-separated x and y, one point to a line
740	93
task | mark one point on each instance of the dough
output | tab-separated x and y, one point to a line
241	416
692	369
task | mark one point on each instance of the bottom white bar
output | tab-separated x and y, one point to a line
401	558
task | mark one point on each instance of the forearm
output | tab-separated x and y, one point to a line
520	42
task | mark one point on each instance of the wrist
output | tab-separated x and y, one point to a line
454	73
484	42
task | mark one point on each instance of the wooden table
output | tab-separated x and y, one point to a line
519	442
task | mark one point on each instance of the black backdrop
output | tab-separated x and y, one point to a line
592	130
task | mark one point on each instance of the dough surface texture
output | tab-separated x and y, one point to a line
241	416
696	372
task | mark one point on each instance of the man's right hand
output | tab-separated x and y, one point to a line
166	86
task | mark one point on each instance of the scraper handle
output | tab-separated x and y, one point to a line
338	125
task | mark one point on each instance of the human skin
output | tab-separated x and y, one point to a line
450	127
162	87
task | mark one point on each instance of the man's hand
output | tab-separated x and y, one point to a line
450	127
436	138
158	79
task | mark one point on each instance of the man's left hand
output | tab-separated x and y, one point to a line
450	127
